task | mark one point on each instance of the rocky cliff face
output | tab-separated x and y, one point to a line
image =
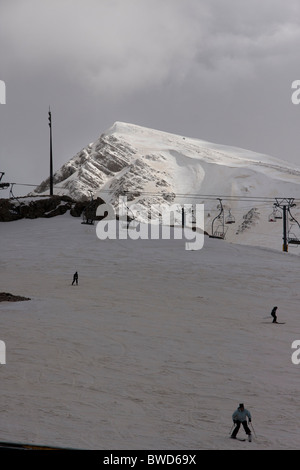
111	166
90	169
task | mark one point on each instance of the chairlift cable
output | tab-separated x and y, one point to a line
259	199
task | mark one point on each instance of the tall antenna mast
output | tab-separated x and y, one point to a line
51	159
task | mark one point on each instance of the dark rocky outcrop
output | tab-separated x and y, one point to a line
6	297
45	206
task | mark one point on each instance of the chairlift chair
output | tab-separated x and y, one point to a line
230	219
277	213
272	217
292	238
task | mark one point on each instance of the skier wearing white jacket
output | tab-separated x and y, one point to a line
240	417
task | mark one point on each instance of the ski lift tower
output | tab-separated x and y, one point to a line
285	204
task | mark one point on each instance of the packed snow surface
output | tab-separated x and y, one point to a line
156	346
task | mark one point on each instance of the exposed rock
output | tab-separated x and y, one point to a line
249	219
6	297
44	206
90	168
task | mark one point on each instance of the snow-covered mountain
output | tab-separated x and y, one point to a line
154	167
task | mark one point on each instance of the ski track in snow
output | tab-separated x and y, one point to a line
154	349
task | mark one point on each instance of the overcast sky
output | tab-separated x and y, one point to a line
217	70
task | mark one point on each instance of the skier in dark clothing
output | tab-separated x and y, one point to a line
239	417
273	314
75	279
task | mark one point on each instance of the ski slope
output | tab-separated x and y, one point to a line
154	349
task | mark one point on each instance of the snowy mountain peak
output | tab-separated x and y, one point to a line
152	166
175	162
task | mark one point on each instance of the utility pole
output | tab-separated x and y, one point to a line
51	160
285	205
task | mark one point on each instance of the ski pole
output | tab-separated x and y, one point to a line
253	429
231	429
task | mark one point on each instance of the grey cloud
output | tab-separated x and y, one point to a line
217	70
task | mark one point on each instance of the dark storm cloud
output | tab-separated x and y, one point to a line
217	70
117	46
